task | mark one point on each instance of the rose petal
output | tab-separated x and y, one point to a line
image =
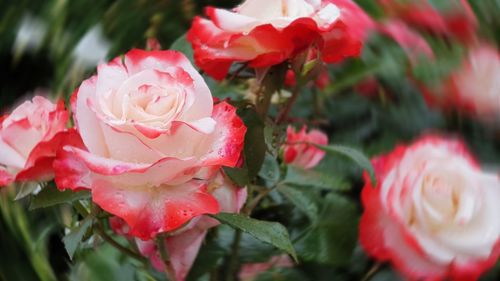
151	210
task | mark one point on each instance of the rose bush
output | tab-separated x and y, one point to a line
265	37
148	127
433	212
29	139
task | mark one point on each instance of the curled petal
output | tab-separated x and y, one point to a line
227	139
39	165
216	50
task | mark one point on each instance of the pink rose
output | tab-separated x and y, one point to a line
264	33
184	244
433	213
251	271
297	151
149	126
29	139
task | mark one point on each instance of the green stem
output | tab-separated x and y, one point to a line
255	201
271	82
263	101
288	107
162	248
371	272
233	259
102	233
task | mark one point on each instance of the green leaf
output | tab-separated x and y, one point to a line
255	144
50	196
295	176
251	250
281	274
270	170
26	189
358	157
238	175
302	199
183	46
333	239
268	232
72	240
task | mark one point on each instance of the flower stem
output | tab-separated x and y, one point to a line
371	272
283	115
271	82
162	249
233	259
102	233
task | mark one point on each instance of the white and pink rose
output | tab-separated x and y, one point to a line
263	33
433	212
29	139
150	135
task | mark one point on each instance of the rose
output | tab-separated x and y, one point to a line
263	33
183	245
299	150
476	85
29	139
148	127
473	87
433	212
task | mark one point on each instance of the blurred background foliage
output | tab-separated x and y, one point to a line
55	44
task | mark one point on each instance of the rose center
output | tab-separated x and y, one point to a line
446	200
439	199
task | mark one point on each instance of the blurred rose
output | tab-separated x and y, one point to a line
29	139
476	85
458	20
149	126
268	32
183	245
433	212
251	271
412	43
299	150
